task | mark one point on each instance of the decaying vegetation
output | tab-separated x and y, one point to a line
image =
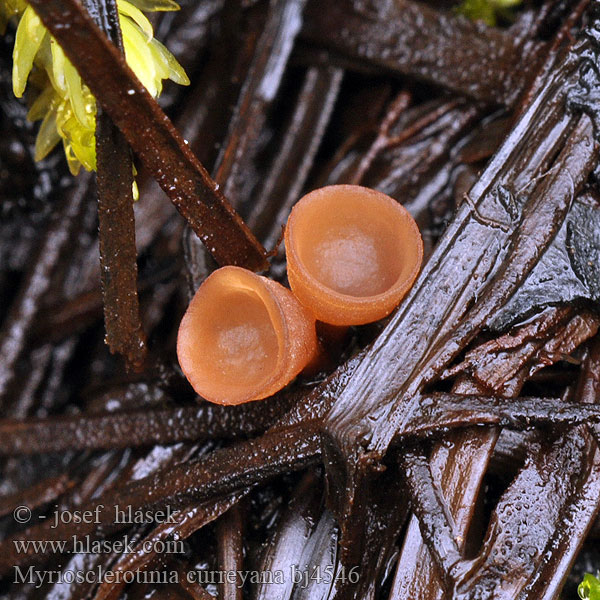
450	452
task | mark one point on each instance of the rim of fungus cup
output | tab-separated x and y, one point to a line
268	385
327	303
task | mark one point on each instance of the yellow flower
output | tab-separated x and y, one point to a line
64	103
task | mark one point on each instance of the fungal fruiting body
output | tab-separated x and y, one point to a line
243	337
352	253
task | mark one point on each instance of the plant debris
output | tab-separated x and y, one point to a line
449	451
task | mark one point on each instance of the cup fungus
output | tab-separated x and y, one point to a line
243	337
352	253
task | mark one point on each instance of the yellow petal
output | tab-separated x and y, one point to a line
139	57
72	160
161	66
29	37
65	105
81	141
47	136
86	154
42	104
58	67
128	10
44	60
75	93
507	3
174	71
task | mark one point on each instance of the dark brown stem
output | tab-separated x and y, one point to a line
118	258
297	153
182	525
230	531
27	306
451	411
258	94
151	135
141	427
398	106
221	473
412	38
36	496
429	507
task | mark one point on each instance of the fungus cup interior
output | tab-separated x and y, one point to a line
352	253
243	337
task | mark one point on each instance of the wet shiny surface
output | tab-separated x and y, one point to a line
489	485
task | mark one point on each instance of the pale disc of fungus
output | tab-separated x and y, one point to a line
243	337
352	253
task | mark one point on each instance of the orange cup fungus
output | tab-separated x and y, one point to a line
243	337
352	253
